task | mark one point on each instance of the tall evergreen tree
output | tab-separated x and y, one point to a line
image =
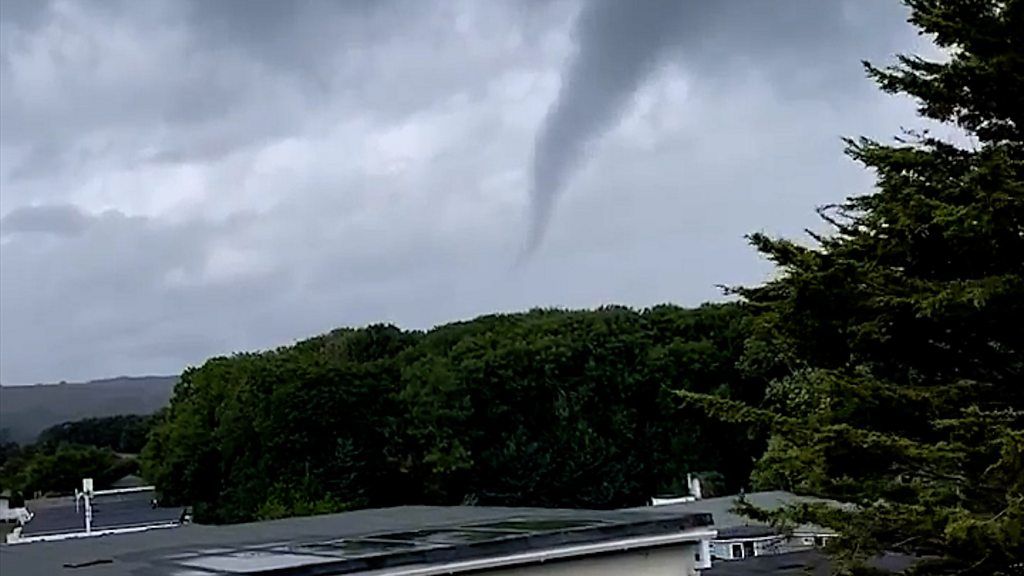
897	341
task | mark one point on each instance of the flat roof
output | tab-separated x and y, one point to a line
741	532
722	508
350	542
60	516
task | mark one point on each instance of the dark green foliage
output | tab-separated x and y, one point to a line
896	344
59	469
68	452
124	434
8	449
547	408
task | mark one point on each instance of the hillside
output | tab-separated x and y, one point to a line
25	411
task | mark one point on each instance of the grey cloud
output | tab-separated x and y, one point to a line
390	57
806	48
212	78
60	220
24	13
248	177
111	296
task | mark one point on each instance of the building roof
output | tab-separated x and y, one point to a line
740	532
721	508
804	563
60	516
345	543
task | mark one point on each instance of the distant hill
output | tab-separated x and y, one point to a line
25	411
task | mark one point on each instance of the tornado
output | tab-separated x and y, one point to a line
618	44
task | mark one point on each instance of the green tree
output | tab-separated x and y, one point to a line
60	469
8	449
124	433
296	430
546	408
896	342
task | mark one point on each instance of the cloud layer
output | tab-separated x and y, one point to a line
185	179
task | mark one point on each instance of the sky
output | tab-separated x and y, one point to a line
182	179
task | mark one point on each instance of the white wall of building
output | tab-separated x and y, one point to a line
8	514
739	548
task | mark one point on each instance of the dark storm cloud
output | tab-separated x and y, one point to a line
806	47
324	44
205	79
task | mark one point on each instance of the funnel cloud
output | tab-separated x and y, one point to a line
618	45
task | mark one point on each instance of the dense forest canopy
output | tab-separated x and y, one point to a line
896	344
546	408
126	433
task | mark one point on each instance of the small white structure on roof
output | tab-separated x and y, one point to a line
692	484
9	513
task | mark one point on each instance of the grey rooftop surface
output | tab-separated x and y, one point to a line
345	543
112	511
726	520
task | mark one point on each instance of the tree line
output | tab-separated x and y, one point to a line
546	408
103	449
